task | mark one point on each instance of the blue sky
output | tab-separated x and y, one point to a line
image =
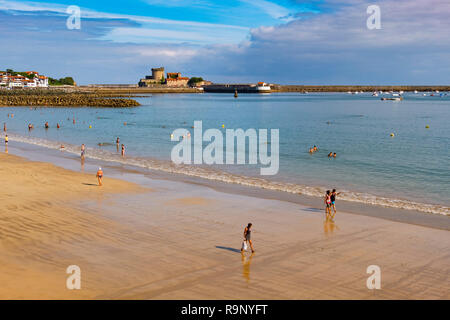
287	41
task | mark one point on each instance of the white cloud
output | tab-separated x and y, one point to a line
151	29
272	9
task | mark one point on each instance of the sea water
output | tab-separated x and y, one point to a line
409	170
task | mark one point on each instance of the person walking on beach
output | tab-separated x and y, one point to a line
6	140
333	196
123	150
83	148
327	201
99	176
248	237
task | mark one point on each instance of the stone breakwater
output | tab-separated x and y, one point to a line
65	100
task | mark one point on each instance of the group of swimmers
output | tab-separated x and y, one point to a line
330	203
332	155
315	149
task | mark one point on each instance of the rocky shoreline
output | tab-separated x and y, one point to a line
62	99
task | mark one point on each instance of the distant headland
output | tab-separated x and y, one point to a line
173	82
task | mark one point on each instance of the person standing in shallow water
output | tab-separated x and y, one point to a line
123	150
248	236
83	150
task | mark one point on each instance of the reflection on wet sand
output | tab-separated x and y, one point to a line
246	261
329	226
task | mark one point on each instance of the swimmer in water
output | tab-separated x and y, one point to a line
315	149
57	126
330	154
334	155
311	151
4	126
99	176
46	125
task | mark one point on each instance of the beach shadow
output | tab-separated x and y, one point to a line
229	249
313	210
90	184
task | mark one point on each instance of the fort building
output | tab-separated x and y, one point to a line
157	78
173	79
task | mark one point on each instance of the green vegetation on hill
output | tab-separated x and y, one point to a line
60	82
194	80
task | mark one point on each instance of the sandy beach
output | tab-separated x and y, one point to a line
175	240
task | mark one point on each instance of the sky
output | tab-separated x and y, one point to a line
286	42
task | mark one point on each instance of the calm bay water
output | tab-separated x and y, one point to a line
413	166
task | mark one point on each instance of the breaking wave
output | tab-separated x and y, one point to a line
219	175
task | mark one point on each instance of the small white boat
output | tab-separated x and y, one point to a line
263	87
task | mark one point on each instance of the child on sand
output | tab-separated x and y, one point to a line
99	176
248	237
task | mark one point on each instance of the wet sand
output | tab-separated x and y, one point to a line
176	240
